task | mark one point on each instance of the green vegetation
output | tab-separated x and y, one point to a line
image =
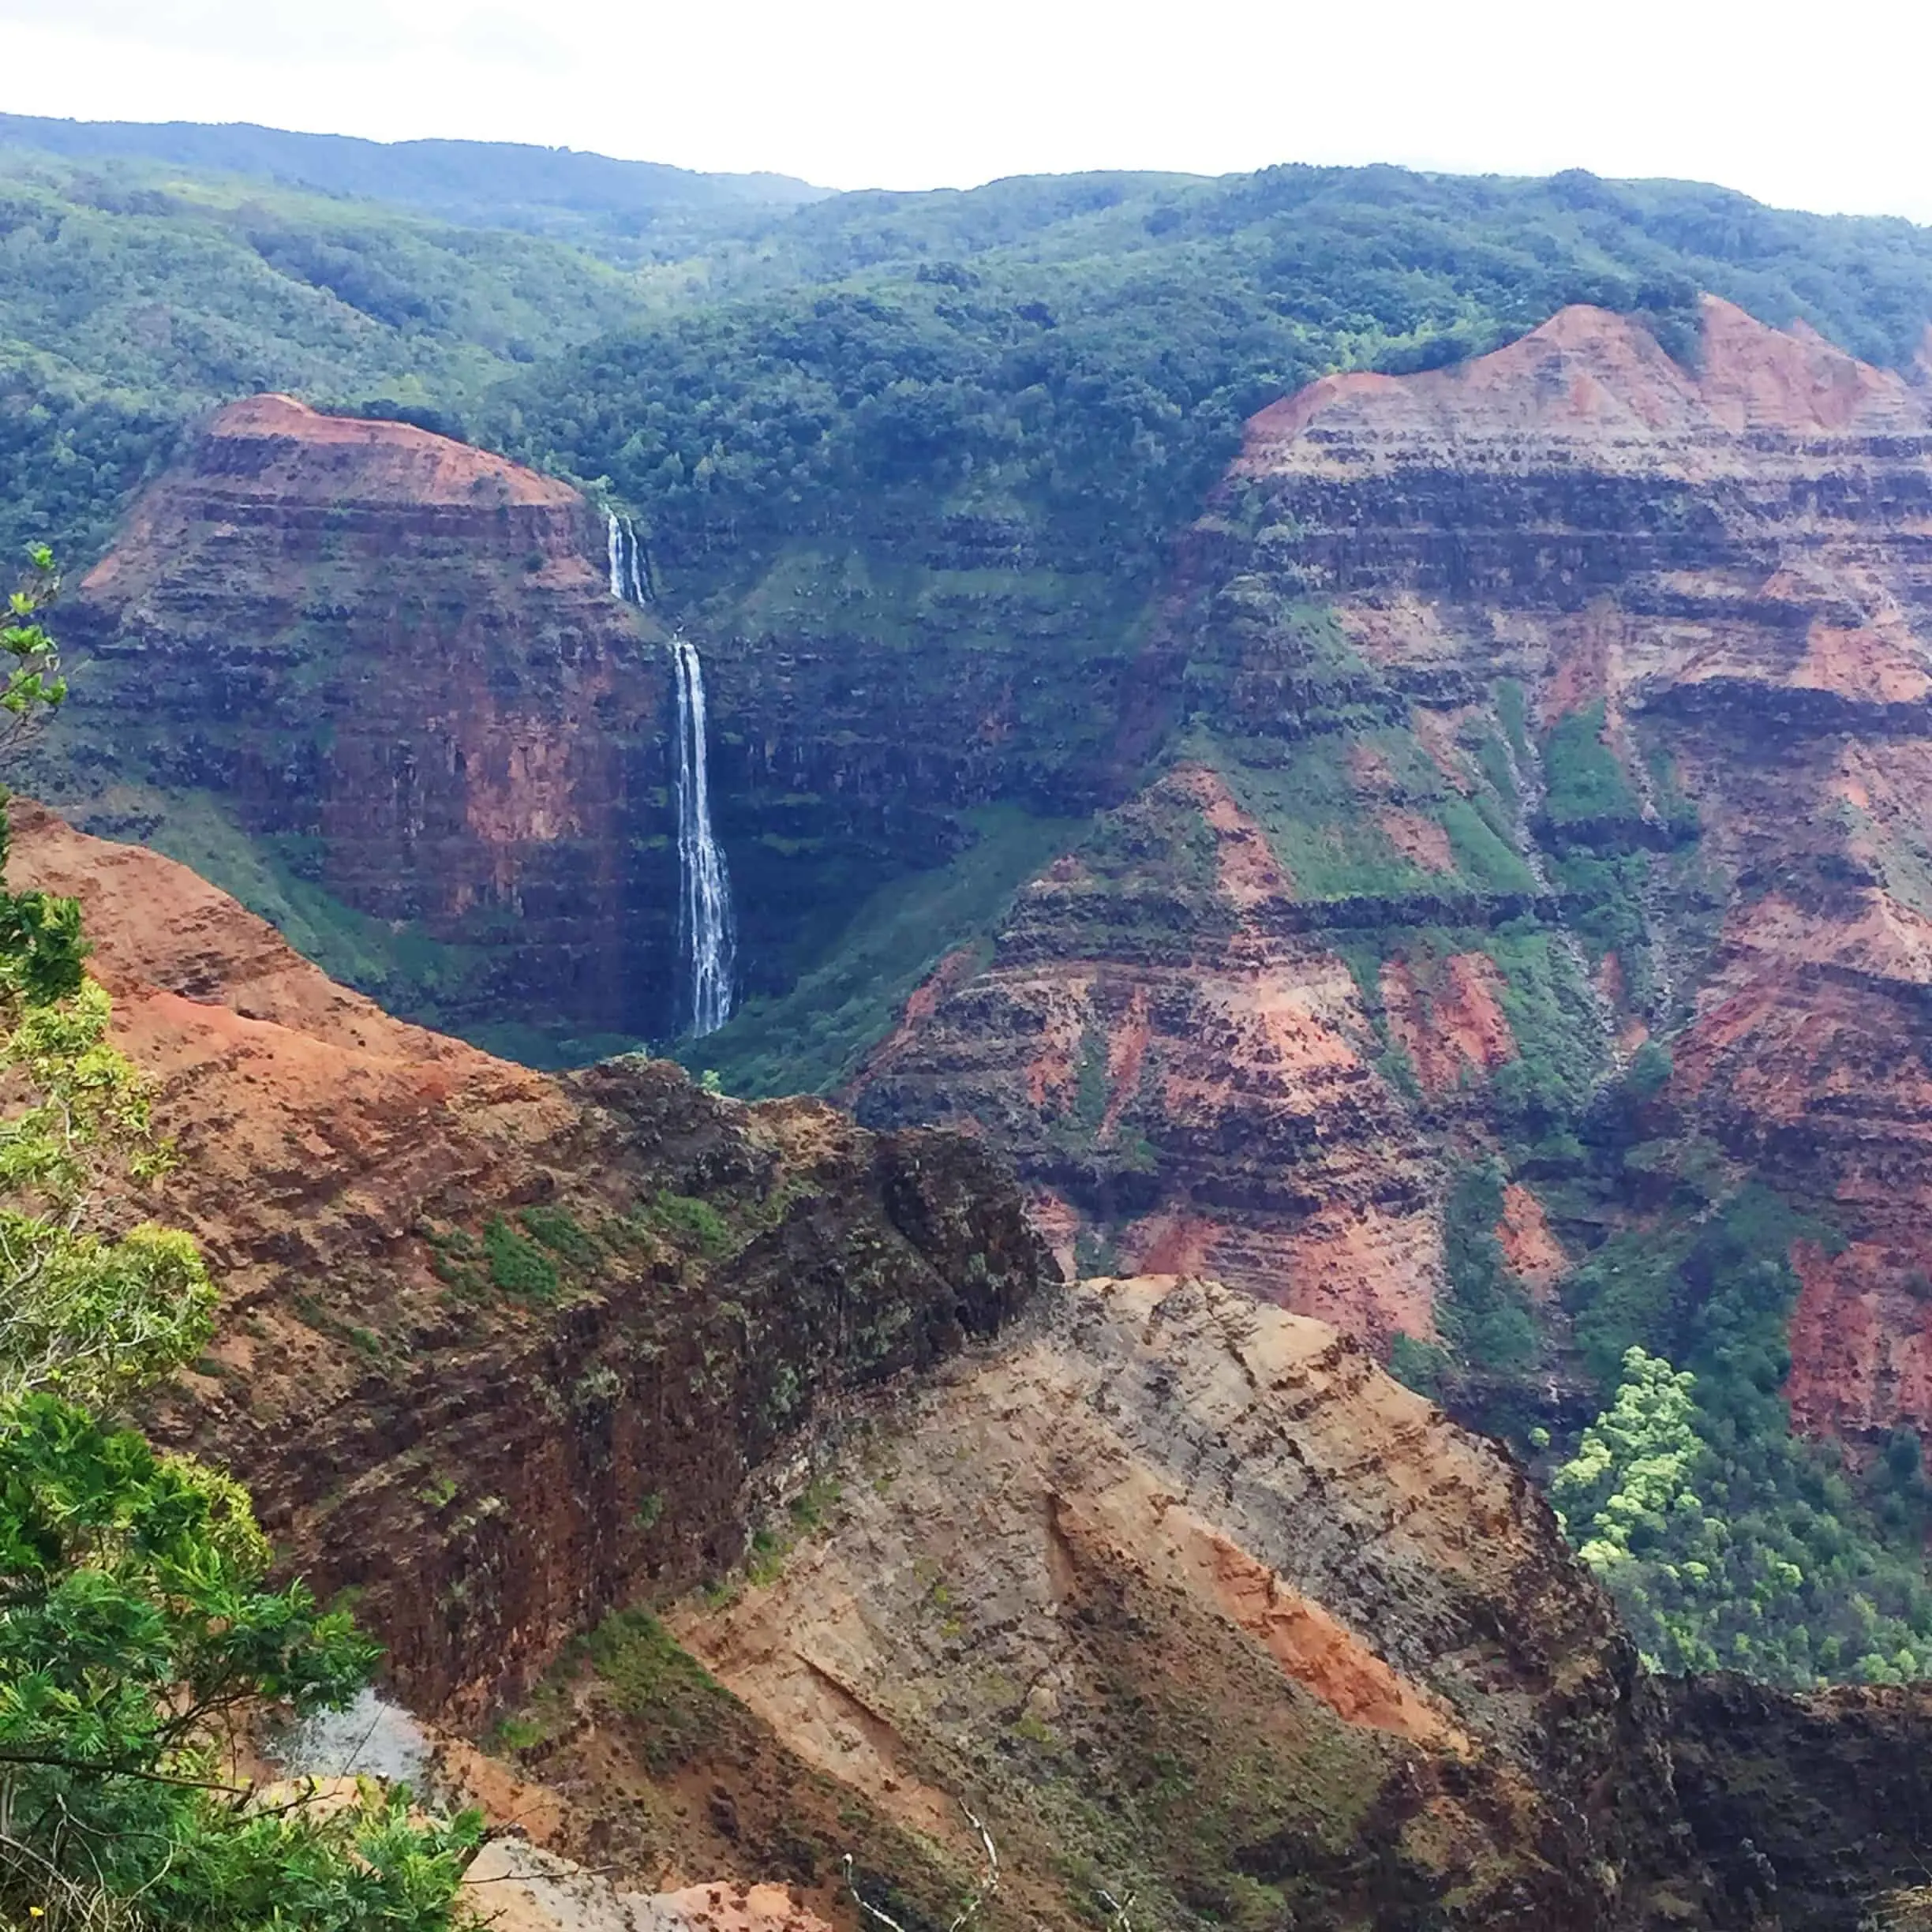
656	1681
1489	1322
812	1037
1562	1049
1585	785
689	1220
137	1608
132	295
1727	1541
622	209
518	1266
1076	354
1748	1549
557	1230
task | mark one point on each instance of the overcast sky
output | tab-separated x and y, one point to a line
1819	106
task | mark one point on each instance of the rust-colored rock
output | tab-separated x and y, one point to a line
1706	595
391	662
1161	1525
1160	1054
495	1437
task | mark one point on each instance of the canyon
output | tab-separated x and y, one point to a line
1177	1598
1497	858
1491	721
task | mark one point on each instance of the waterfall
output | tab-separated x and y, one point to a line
705	919
705	934
629	569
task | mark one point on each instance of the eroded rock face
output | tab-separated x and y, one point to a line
391	662
1811	1810
1185	1594
497	1349
1549	703
1159	1043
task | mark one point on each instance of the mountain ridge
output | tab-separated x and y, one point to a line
512	183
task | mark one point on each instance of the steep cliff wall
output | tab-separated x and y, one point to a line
373	678
497	1350
1811	1810
1526	709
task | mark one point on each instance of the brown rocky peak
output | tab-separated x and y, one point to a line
1589	374
404	652
371	455
1755	378
1585	369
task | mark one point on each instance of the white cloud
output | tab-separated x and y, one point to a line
1799	105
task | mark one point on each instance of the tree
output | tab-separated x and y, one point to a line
138	1617
91	1317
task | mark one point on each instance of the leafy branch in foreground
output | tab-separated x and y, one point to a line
34	683
91	1317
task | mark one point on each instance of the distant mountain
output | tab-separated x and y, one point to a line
590	198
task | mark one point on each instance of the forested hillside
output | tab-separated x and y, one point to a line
627	210
132	296
1073	356
1068	356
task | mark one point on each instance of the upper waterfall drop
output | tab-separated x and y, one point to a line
630	571
706	933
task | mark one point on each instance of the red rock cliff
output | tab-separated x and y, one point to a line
390	660
497	1349
1566	697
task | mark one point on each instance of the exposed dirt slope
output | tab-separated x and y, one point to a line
496	1349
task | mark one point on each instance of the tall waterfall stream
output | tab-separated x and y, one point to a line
706	933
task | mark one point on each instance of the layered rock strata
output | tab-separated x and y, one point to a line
1169	1058
1569	696
384	666
497	1349
1181	1597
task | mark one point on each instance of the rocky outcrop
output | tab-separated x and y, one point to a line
497	1349
1181	1597
1171	1060
374	677
1811	1810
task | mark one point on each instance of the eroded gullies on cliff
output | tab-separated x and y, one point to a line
1144	1579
